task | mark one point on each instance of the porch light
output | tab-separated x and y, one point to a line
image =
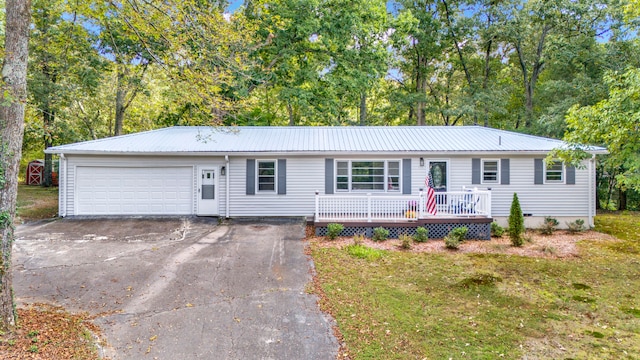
421	161
223	170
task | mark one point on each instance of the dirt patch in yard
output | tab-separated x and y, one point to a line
561	244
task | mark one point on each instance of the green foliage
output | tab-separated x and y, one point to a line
334	230
614	123
380	234
549	225
455	237
421	235
576	226
496	230
364	252
516	222
405	241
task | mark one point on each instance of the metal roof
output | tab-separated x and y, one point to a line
183	140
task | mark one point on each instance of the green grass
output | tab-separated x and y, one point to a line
404	305
37	202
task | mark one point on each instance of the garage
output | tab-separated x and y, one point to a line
105	190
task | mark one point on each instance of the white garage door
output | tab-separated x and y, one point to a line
134	191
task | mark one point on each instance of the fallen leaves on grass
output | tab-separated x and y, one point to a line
47	332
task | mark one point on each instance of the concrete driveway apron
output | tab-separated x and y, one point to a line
179	288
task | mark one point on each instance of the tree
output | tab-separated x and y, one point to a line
14	94
516	222
614	123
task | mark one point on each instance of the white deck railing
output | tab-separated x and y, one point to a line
369	207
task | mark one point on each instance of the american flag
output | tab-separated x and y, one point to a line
431	195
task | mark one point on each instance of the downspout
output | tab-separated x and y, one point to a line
226	203
62	186
592	191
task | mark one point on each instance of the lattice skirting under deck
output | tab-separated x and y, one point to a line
480	231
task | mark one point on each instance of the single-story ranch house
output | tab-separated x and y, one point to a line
358	176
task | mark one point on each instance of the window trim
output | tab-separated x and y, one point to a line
350	177
482	172
563	173
275	176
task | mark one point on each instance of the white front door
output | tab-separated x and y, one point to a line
208	191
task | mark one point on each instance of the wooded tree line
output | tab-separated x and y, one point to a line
104	68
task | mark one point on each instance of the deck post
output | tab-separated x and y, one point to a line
488	197
420	204
317	206
368	207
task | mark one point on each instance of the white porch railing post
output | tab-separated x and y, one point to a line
420	204
317	206
488	197
369	207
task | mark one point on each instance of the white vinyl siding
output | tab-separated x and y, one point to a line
305	175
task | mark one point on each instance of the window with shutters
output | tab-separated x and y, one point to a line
490	171
367	176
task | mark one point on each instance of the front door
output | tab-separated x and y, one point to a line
208	191
438	170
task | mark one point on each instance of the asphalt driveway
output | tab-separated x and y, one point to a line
179	288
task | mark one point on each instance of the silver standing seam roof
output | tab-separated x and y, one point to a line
202	140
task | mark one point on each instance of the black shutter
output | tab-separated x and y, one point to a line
475	171
282	176
571	175
406	176
328	176
538	171
251	176
504	172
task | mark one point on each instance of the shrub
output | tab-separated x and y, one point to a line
358	239
516	222
380	234
333	230
496	230
455	237
405	241
576	226
548	226
421	235
460	233
451	242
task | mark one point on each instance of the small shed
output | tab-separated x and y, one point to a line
35	172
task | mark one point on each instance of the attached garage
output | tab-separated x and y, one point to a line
103	190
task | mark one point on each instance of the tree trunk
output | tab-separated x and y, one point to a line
622	199
363	109
120	105
292	117
14	74
49	117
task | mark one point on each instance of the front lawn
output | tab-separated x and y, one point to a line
485	306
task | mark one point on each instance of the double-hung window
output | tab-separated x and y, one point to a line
490	171
554	172
266	175
365	175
